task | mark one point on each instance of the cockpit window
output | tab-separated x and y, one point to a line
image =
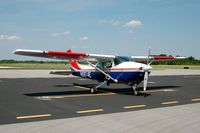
105	64
117	60
120	59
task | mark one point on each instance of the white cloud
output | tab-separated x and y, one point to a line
111	22
56	34
10	38
84	38
133	24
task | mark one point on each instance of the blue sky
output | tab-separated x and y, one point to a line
120	27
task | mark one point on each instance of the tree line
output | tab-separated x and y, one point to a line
188	61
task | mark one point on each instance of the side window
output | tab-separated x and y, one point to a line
98	65
106	64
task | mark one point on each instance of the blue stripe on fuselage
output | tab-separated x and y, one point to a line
122	77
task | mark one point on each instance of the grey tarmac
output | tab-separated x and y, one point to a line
56	104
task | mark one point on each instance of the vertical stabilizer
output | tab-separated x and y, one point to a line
74	65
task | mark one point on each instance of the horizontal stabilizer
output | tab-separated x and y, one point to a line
67	72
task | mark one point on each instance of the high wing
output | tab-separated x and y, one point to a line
68	55
155	58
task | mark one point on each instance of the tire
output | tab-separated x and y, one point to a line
93	90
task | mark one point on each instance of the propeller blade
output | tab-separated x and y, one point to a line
145	80
149	52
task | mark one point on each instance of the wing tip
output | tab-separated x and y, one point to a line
27	52
16	51
180	57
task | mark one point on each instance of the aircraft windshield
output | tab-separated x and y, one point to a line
121	59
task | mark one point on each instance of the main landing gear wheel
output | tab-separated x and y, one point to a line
93	90
135	90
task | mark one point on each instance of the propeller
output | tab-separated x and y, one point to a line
145	80
146	70
149	52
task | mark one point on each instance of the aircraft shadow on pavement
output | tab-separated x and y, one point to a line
123	90
129	90
61	93
58	93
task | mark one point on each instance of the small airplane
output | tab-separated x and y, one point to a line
108	68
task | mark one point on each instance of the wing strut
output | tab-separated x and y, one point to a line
107	75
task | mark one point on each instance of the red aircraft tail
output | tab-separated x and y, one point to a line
74	64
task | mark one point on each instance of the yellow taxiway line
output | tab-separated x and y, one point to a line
89	111
195	99
148	91
162	90
134	106
81	87
86	88
33	116
81	95
105	93
171	102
